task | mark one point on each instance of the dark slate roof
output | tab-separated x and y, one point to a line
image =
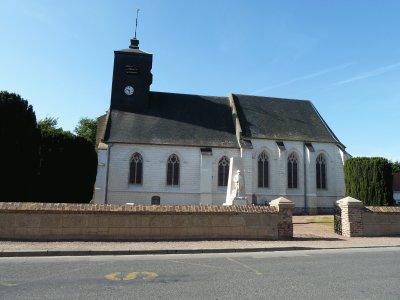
281	119
133	48
130	50
175	119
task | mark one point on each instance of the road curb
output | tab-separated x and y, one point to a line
42	253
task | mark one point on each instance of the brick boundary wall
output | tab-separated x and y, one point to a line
73	208
358	220
63	221
383	209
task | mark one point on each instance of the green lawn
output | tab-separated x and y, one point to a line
322	220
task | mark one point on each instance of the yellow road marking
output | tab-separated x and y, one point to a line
3	283
117	276
149	275
130	276
113	276
244	265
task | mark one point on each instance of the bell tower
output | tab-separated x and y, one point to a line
131	78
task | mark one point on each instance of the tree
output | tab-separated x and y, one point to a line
20	148
395	166
87	128
48	125
67	170
42	162
369	179
68	165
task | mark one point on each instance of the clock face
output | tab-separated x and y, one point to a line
129	90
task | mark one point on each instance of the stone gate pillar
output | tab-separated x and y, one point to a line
351	216
285	209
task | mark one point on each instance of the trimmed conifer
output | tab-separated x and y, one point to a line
67	170
369	179
19	149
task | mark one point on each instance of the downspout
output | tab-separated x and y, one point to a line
305	178
107	172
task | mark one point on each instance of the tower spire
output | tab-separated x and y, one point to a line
135	41
137	16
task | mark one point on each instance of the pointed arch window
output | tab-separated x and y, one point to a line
136	169
223	171
173	170
292	171
321	171
263	164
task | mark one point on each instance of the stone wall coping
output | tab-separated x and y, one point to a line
281	201
349	201
78	208
383	209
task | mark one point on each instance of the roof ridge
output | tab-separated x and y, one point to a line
186	94
326	125
270	97
287	119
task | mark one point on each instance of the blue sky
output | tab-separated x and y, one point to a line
342	55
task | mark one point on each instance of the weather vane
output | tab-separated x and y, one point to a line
137	15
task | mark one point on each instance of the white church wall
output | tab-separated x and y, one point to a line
206	177
396	197
155	171
316	198
277	170
247	163
265	195
195	187
219	192
101	177
326	198
342	157
144	198
154	175
295	148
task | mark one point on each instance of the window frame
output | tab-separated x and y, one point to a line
321	172
136	159
263	158
173	176
292	171
223	169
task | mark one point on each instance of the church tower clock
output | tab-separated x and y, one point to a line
131	79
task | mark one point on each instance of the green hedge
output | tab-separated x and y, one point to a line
41	166
68	167
19	150
369	179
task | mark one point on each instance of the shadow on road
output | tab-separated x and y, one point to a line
316	238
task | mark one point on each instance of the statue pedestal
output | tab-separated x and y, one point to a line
239	201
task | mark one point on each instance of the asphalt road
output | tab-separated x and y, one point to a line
316	274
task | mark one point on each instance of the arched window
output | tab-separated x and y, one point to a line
321	172
263	170
223	171
292	171
136	169
173	170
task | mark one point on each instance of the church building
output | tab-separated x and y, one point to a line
166	148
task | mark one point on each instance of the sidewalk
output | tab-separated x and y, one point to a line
310	232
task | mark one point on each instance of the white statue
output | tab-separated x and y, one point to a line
236	191
238	180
